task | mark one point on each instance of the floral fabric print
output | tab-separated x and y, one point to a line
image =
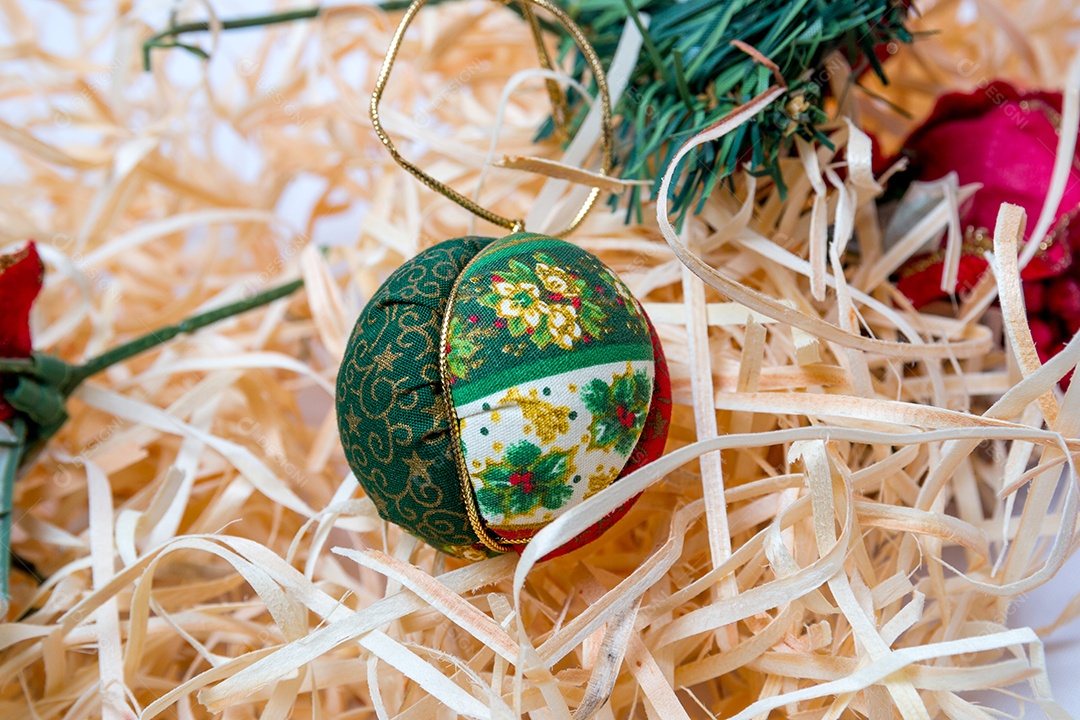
543	300
548	421
550	365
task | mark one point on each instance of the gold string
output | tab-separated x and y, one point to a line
468	495
560	113
593	60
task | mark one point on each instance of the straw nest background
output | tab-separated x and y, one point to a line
844	548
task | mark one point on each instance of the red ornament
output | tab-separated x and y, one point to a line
21	275
1006	140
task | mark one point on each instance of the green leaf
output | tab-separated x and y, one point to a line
522	454
497	474
522	502
556	496
490	502
552	468
595	396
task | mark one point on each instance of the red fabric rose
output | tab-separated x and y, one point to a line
1006	140
21	275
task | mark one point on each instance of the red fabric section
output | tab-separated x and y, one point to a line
925	286
650	446
21	275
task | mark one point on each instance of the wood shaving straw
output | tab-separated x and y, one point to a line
853	497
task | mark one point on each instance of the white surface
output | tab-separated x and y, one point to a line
1039	608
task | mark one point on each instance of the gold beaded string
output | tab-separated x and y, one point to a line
559	112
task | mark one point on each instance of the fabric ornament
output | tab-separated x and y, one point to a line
491	385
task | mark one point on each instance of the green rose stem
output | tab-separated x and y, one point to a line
11	444
167	37
164	334
44	384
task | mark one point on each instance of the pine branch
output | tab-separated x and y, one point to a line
689	75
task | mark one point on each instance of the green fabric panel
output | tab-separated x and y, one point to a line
392	415
546	367
532	306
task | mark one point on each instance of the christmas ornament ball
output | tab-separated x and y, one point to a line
490	385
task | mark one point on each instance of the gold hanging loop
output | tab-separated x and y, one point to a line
591	58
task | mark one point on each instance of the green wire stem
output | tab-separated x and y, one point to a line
11	444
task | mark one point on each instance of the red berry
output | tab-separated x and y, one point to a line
524	479
1063	297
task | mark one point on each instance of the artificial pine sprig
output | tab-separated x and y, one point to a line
690	74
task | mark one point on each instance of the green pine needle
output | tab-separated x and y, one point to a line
689	76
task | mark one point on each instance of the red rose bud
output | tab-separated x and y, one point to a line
21	275
1043	335
1064	382
923	285
1072	323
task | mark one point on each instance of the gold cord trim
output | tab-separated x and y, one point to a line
500	545
978	241
602	89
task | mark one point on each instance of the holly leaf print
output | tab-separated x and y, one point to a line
525	480
619	410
